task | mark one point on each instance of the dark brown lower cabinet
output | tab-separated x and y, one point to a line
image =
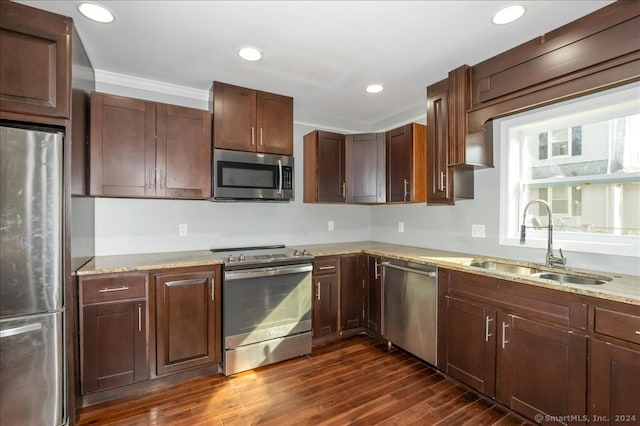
353	286
187	319
541	369
614	373
325	305
373	298
471	344
115	345
502	341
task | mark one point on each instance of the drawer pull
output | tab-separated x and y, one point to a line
324	268
318	290
109	290
139	317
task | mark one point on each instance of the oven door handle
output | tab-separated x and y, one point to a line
267	272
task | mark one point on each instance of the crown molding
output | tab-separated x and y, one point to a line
108	77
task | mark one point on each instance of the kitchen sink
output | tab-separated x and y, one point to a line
505	267
572	279
534	272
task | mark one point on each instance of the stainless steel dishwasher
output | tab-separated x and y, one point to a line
410	307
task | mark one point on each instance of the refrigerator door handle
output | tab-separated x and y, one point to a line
20	330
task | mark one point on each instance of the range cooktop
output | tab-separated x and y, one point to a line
261	256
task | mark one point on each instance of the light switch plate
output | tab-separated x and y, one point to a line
400	226
183	230
477	231
330	225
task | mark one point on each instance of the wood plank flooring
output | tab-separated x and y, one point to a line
357	381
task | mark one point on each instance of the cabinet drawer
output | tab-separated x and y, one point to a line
113	287
325	265
617	324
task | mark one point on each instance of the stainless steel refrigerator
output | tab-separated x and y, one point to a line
32	356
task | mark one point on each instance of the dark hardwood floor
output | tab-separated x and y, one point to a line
355	381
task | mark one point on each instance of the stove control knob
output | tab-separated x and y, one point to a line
241	258
305	253
230	258
296	253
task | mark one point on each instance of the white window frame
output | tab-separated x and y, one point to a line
512	193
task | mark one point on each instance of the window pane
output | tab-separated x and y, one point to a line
576	140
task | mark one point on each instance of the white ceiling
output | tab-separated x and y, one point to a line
322	53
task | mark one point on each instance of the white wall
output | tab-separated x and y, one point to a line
125	226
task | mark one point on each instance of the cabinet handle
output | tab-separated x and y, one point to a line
487	320
318	290
441	181
375	269
109	290
638	332
139	317
161	179
213	288
151	178
324	268
253	135
261	136
504	334
344	190
406	189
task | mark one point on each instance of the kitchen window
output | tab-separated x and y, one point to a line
582	156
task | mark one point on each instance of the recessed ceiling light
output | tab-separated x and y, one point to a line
375	88
96	12
250	54
508	14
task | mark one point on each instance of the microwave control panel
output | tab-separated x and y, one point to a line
287	177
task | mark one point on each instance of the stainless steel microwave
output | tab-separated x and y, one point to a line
239	175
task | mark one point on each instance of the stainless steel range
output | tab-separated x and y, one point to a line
266	306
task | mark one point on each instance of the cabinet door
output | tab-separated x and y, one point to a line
183	152
123	147
234	117
470	354
374	294
187	320
114	345
325	305
614	381
274	123
399	164
353	274
35	71
439	176
541	368
365	157
331	182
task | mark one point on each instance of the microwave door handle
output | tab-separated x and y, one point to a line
280	177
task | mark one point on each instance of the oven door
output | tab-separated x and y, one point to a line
266	303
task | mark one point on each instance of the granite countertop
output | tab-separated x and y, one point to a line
621	288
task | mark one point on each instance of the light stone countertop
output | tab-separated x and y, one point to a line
621	288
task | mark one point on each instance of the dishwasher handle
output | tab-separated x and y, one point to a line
431	274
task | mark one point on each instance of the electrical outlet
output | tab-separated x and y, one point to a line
400	226
183	230
330	225
477	231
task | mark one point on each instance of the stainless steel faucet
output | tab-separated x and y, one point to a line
550	259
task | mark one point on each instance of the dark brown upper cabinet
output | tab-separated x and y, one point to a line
595	52
147	149
448	176
324	167
35	71
366	168
251	120
406	158
365	157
